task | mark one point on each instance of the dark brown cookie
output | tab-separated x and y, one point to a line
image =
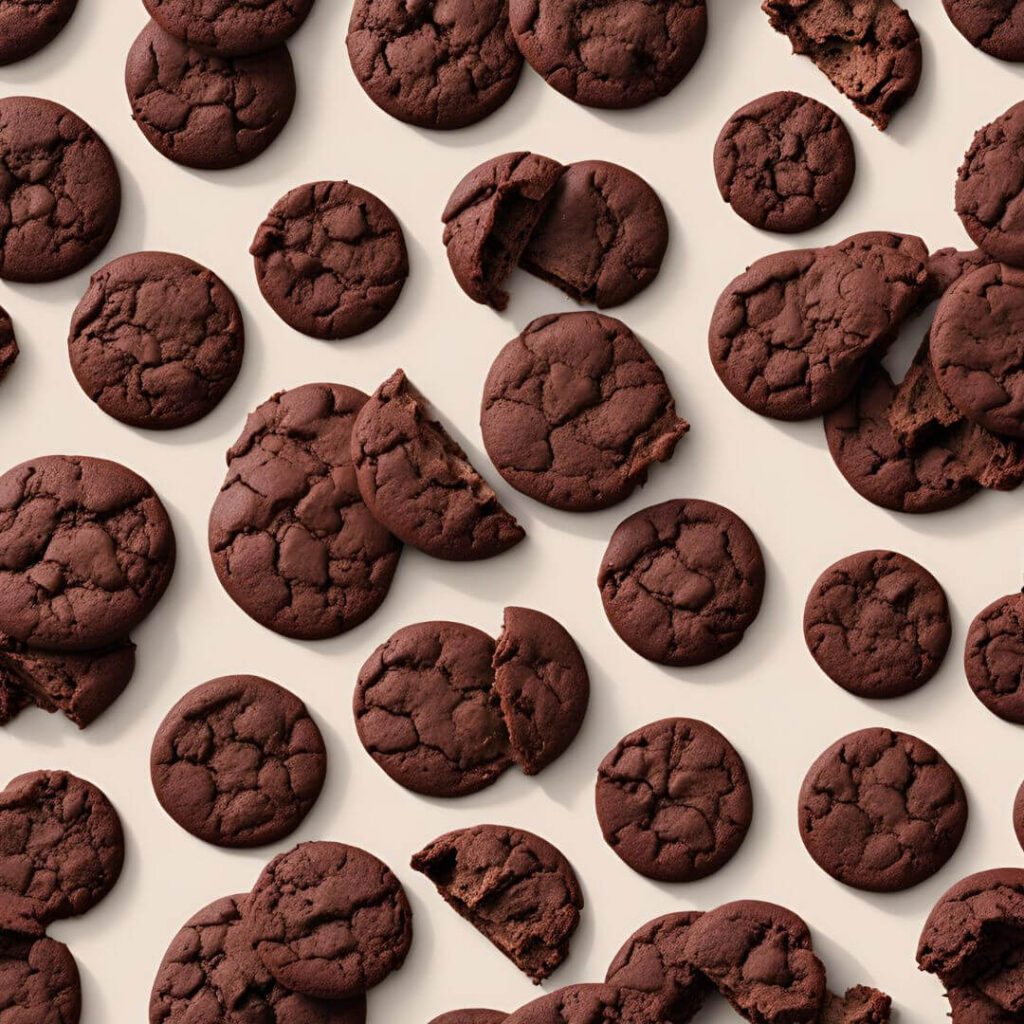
515	888
995	26
969	1005
427	713
62	852
681	581
947	266
418	482
26	26
673	800
994	657
602	237
330	259
859	1005
877	623
784	162
238	761
477	1016
490	217
1018	815
60	194
291	539
39	982
329	920
86	551
575	411
584	1004
870	51
881	810
205	111
8	343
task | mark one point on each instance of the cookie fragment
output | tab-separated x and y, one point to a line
8	343
582	1004
40	981
994	26
475	1016
994	657
26	27
859	1005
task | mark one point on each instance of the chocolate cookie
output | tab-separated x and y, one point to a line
870	51
860	1005
329	920
86	551
681	581
8	344
40	980
62	852
995	26
1018	815
515	888
614	54
26	26
157	340
330	259
575	411
490	217
427	713
418	482
881	810
673	800
205	111
784	162
60	194
238	761
291	539
603	235
877	623
583	1004
994	657
947	266
431	64
478	1016
968	1005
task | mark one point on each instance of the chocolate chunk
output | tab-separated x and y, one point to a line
995	26
994	657
26	27
40	982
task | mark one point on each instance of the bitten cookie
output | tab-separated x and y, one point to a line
995	26
40	980
26	27
994	657
8	343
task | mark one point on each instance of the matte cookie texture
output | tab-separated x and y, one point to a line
994	657
330	259
475	1016
1018	815
995	26
26	26
39	982
681	581
582	1004
238	761
292	542
8	343
859	1005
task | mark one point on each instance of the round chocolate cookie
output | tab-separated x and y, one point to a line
8	343
86	551
205	111
40	980
60	194
292	542
575	411
881	810
427	713
26	26
583	1004
995	26
610	53
329	920
238	761
477	1016
434	65
330	259
681	581
157	340
877	623
662	827
994	657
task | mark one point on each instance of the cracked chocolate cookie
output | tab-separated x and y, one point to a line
603	236
60	194
419	483
994	26
673	800
784	162
881	810
681	581
238	761
26	26
330	259
205	111
583	1004
86	551
515	888
8	343
293	543
329	920
994	657
859	1005
157	340
877	623
40	982
869	51
575	411
476	1016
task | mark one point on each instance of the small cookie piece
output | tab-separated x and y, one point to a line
330	259
26	26
515	888
329	920
86	552
293	543
614	55
478	1016
602	237
881	810
681	581
13	700
870	51
575	411
60	194
1018	815
859	1005
238	762
947	266
784	162
877	623
8	343
994	657
418	482
205	111
994	26
583	1004
673	800
968	1005
157	340
40	979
